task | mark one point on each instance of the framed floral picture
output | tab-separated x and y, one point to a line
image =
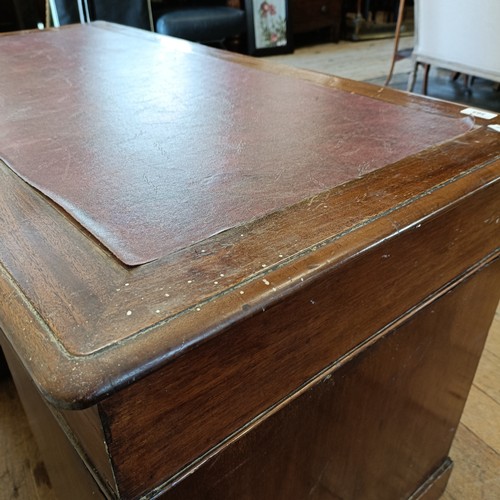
268	27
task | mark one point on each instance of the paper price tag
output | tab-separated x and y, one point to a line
479	113
496	128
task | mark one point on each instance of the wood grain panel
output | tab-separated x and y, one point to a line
86	429
257	363
378	427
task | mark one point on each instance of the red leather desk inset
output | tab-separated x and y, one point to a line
181	140
236	279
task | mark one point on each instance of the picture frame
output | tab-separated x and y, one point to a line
268	27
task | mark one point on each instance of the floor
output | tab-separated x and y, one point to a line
370	61
476	449
365	60
22	472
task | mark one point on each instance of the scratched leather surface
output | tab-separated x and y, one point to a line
152	149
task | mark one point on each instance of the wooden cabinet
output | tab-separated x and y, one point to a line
311	15
263	283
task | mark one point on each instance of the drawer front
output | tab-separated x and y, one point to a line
309	15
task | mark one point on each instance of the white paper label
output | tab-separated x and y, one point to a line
496	128
479	113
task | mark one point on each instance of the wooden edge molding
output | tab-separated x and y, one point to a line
90	378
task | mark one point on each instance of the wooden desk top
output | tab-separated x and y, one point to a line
181	189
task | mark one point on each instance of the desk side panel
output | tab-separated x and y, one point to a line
204	396
380	426
86	430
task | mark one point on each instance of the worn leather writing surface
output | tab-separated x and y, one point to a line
152	149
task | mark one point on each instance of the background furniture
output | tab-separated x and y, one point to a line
371	19
311	15
324	345
458	35
212	21
133	13
397	36
21	14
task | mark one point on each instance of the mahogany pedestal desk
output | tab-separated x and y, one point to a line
222	278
